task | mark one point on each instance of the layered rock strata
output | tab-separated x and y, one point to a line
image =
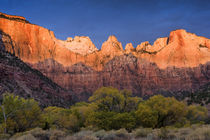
175	63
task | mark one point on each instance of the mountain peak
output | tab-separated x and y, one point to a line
143	46
112	38
79	44
129	48
112	46
177	34
33	43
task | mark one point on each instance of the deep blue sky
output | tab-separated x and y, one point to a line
132	21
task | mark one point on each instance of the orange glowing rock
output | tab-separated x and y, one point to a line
33	44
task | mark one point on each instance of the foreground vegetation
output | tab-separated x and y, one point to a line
195	132
108	113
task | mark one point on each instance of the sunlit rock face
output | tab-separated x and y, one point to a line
183	49
13	17
129	48
111	48
79	44
175	63
18	78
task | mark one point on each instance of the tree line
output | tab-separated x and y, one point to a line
108	108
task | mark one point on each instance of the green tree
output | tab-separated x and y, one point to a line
162	111
113	109
146	116
101	120
82	110
108	99
130	103
111	120
124	120
19	114
111	99
60	118
196	113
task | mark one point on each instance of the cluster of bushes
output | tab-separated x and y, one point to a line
107	109
195	132
202	98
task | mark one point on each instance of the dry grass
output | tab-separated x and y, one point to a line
195	132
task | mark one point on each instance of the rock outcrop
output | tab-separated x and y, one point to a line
129	48
111	47
175	63
79	44
12	17
183	49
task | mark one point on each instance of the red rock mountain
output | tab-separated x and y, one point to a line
172	64
19	78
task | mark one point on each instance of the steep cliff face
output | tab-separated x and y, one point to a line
175	63
18	78
33	44
127	72
183	50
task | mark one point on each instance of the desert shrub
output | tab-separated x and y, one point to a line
100	134
41	134
57	134
70	138
4	136
196	113
163	133
122	134
142	132
201	133
36	132
183	132
84	135
26	137
110	135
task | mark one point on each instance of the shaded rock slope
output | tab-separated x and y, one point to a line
19	78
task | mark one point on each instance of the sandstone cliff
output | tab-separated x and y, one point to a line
175	63
81	45
18	78
33	44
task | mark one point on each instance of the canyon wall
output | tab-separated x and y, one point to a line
20	79
176	63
